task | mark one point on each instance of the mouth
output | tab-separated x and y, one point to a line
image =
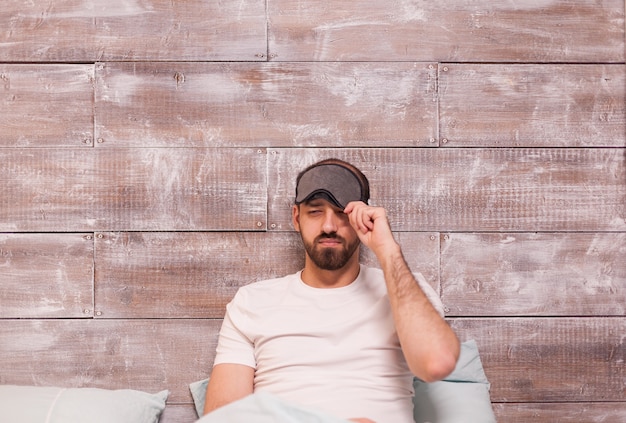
329	242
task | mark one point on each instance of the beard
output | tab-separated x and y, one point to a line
330	258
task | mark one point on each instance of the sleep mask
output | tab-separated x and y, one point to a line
332	182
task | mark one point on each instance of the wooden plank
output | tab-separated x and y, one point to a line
589	412
162	274
474	189
503	105
46	275
185	274
148	355
89	30
250	104
132	189
47	190
550	359
46	105
534	274
182	189
453	31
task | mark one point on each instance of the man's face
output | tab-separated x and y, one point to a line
328	238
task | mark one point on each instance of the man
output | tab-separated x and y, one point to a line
337	336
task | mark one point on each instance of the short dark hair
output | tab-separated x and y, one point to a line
365	184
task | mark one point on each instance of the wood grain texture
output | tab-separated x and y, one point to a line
132	189
182	189
251	104
45	275
550	359
503	105
89	30
475	189
46	105
147	355
590	412
47	190
534	274
451	31
185	274
177	275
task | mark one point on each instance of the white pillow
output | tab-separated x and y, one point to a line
37	404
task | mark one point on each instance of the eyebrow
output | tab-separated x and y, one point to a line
314	203
317	202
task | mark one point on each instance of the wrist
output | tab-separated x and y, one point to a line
389	253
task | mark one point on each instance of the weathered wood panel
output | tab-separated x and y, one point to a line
196	274
182	189
452	31
551	359
132	189
534	274
603	412
148	355
47	190
532	105
475	189
91	30
251	104
46	105
44	275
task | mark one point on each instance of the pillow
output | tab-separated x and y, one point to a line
198	393
463	396
37	404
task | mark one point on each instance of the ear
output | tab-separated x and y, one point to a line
295	217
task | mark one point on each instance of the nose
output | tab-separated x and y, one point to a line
330	222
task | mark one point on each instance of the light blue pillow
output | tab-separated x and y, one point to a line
198	393
37	404
463	396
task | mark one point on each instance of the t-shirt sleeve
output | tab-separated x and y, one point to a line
234	345
430	293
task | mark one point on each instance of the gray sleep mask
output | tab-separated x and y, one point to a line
331	182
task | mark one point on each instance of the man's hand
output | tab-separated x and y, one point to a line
371	225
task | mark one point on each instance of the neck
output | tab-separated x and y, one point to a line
316	277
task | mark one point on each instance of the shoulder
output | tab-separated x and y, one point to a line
274	283
373	275
265	290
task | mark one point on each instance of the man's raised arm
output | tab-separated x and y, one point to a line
430	347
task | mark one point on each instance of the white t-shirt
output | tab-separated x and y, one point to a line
335	349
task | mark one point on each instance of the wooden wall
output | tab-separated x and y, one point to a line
148	150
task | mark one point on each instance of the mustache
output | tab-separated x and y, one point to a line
332	235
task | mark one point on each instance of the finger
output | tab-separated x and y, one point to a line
355	221
354	212
364	219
